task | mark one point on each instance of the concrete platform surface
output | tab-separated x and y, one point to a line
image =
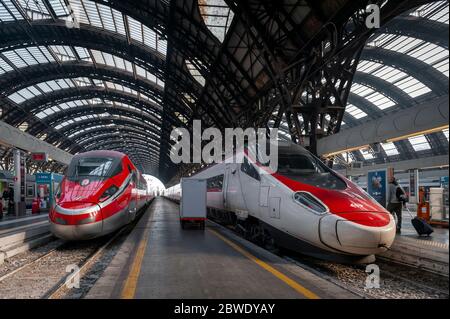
160	260
8	224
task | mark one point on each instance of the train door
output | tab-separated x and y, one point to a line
250	185
233	198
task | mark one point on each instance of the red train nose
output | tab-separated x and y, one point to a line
372	219
75	214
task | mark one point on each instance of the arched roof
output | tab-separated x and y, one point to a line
130	71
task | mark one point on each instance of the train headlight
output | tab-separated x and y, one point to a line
108	193
310	202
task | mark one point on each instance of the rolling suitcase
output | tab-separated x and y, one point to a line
420	225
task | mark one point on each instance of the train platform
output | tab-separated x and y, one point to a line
428	252
20	234
160	260
11	222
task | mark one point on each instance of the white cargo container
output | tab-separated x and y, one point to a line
193	202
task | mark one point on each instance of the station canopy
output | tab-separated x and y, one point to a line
120	75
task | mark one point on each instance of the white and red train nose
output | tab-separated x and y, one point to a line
362	233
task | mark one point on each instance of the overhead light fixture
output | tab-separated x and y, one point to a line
429	131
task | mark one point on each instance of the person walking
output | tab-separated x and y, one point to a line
396	201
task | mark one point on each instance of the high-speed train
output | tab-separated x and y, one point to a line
101	192
304	206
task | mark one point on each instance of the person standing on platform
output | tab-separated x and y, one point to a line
5	198
11	210
396	201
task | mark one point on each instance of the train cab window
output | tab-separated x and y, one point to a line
116	170
250	170
92	168
215	183
305	168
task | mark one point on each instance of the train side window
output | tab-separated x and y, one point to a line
250	170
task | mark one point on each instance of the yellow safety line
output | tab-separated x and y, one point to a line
293	284
129	290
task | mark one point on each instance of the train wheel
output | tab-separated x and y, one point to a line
269	243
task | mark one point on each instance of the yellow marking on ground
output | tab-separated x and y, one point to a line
129	290
290	282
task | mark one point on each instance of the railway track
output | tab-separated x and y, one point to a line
61	287
46	276
395	280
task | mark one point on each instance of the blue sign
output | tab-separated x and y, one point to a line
43	178
377	185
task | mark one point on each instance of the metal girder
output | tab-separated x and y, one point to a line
373	112
14	137
132	142
107	120
422	163
421	117
12	82
43	102
86	136
380	85
61	117
56	33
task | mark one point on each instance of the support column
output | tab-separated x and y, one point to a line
19	184
414	186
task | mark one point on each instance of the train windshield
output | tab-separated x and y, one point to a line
93	168
307	169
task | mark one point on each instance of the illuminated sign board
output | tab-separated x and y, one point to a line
39	157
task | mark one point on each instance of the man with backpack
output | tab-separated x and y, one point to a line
396	200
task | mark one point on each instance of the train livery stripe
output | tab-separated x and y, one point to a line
290	282
129	289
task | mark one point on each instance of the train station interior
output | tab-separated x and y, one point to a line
96	97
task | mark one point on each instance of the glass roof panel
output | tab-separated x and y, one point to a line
421	50
367	154
195	73
436	11
83	12
419	143
399	78
354	111
390	149
217	16
445	133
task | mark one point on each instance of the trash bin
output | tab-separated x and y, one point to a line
36	206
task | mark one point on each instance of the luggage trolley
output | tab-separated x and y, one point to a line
193	202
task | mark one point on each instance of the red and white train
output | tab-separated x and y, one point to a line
101	192
304	206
